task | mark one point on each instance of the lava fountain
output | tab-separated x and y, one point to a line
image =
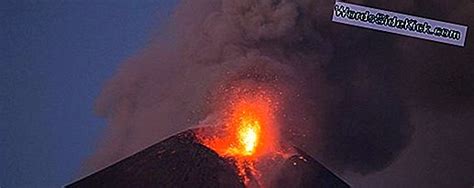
246	130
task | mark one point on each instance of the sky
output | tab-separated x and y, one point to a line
54	58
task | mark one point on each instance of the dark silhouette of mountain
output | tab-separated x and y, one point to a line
181	161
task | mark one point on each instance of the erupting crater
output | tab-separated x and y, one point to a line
247	131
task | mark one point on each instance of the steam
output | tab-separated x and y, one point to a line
340	108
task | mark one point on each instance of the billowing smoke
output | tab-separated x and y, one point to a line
344	101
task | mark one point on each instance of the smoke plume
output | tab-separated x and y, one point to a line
345	100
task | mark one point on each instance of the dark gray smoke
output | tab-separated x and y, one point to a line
435	83
350	93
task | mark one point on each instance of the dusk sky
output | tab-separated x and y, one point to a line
54	58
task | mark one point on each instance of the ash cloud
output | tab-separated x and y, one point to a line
348	85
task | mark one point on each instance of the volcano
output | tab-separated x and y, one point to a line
182	161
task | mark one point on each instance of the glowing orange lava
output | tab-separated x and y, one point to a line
248	132
245	133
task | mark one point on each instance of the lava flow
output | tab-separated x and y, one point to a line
248	132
